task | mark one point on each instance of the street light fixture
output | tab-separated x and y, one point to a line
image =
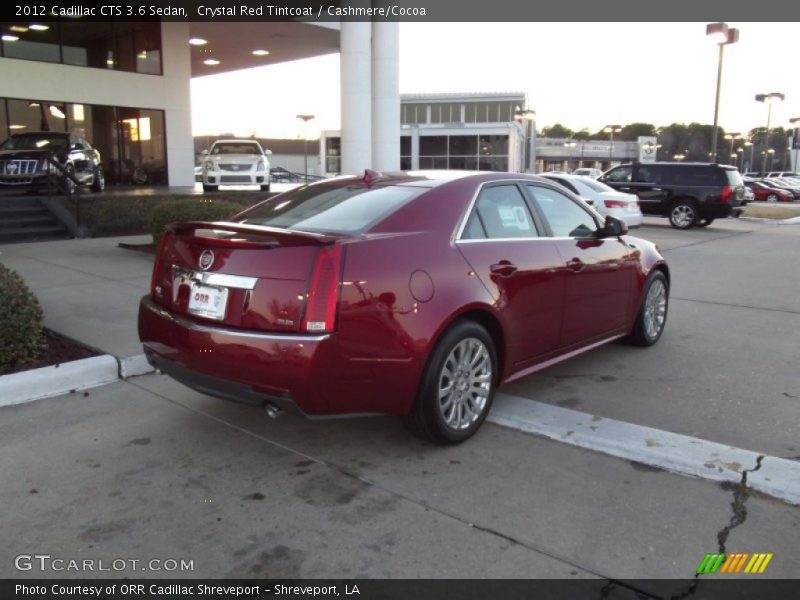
733	137
612	129
722	35
528	115
769	99
305	119
795	141
570	145
741	157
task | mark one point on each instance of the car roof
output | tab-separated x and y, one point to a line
428	178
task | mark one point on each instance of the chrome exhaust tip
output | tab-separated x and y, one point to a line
273	412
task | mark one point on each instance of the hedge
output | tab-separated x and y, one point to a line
21	325
191	209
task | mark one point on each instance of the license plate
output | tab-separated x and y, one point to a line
208	301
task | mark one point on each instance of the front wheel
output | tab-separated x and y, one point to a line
99	181
457	387
772	198
704	222
683	214
652	313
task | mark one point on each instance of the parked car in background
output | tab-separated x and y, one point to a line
25	162
782	174
764	192
749	196
586	172
688	194
785	183
411	294
235	162
604	199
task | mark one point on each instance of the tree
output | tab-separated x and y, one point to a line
583	134
632	131
557	131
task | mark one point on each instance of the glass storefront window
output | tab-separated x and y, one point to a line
463	145
433	145
494	144
134	47
20	41
36	115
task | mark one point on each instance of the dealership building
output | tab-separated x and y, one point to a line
125	87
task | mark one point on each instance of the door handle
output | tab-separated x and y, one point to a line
503	268
576	264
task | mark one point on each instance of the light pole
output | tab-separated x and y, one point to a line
722	35
795	142
769	99
678	157
611	129
528	116
569	145
305	119
771	153
741	158
733	137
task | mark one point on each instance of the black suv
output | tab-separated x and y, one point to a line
688	194
27	161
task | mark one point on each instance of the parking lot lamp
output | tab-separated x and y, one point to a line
771	154
733	137
795	142
611	129
570	145
741	157
769	99
722	35
305	119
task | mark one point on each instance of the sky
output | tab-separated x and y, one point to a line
577	74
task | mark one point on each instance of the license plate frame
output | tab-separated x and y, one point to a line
208	301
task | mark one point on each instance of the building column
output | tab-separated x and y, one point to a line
385	96
356	91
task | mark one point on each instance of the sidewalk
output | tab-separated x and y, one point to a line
89	289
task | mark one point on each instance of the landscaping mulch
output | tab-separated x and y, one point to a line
56	349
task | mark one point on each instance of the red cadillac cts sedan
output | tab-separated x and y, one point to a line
414	294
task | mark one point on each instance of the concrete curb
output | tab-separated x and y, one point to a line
130	366
673	452
789	221
46	382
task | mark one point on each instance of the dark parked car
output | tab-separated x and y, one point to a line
25	162
689	194
405	294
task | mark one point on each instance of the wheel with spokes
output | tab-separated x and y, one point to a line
683	214
652	313
457	387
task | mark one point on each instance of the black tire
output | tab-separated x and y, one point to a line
641	335
467	341
265	187
139	176
99	181
704	222
210	188
683	214
69	186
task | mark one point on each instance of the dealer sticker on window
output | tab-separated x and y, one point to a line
208	301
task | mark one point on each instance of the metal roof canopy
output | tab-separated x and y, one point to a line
232	43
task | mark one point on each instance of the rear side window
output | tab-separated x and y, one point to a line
500	213
695	176
330	208
734	177
648	174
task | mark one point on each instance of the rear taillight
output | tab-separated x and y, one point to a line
614	203
323	293
726	193
157	265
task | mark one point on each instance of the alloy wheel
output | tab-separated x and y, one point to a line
655	309
465	383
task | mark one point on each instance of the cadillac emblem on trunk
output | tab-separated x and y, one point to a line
206	260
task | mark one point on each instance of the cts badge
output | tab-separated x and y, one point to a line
206	260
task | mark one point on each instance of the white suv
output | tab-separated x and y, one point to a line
235	162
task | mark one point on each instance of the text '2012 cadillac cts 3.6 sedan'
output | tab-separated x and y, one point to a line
414	294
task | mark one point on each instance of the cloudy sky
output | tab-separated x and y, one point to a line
577	74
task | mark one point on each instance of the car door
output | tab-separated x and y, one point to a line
599	273
647	183
519	266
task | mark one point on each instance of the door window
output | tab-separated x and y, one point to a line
619	175
565	217
500	213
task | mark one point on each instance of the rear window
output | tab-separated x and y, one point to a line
595	186
734	177
330	208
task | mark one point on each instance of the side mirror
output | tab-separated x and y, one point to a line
613	227
205	152
268	152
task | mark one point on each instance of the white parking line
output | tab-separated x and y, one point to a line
673	452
